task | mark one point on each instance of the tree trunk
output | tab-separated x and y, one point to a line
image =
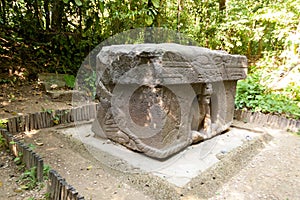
39	23
47	14
57	15
3	10
222	5
179	8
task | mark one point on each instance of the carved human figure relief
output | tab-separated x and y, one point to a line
204	130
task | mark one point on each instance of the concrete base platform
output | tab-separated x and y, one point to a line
179	170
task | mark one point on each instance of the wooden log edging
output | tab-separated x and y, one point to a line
270	120
27	156
47	119
50	118
59	189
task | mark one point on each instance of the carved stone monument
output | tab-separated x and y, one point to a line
159	98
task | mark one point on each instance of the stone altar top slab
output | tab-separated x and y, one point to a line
170	64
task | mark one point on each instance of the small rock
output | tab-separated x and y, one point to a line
223	151
18	190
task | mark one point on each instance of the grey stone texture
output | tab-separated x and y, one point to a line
160	98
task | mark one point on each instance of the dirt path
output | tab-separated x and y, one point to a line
71	160
26	98
273	174
10	188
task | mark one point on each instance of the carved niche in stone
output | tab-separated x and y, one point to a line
159	98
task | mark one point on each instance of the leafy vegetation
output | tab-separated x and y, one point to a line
70	80
2	141
46	170
3	123
56	35
18	159
28	180
257	97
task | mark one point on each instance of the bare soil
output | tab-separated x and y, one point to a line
272	174
28	97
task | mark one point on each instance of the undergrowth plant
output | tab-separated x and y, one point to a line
28	179
3	123
18	159
70	80
2	141
258	98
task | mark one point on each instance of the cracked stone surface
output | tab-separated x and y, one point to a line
160	98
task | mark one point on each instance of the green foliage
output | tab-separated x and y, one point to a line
31	146
49	111
251	94
2	141
18	159
57	34
28	180
70	80
47	195
55	119
12	142
4	80
46	170
87	82
3	123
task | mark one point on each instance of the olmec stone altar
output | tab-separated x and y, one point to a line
159	98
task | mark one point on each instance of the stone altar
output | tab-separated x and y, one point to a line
160	98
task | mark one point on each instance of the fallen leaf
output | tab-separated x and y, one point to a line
39	143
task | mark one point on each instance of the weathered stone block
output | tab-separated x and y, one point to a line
159	98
